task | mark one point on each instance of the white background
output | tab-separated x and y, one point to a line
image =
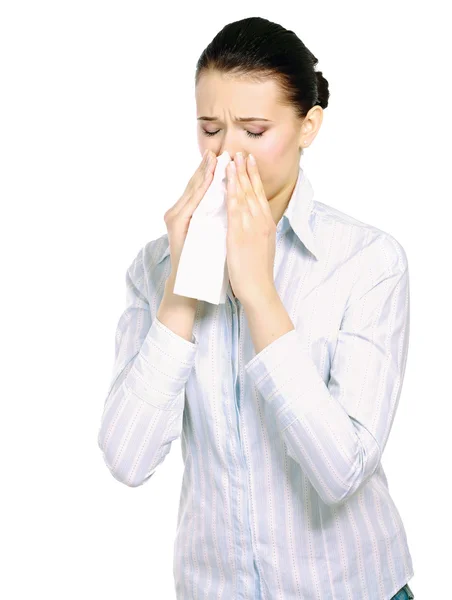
97	108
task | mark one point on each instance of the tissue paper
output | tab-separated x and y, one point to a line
202	271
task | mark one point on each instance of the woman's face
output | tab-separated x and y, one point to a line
275	139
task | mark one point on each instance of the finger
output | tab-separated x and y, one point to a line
207	156
257	184
204	158
206	167
198	193
197	176
231	187
197	186
246	185
201	167
239	201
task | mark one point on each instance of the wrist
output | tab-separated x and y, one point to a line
175	299
266	295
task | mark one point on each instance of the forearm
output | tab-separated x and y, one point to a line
267	319
143	411
337	453
177	312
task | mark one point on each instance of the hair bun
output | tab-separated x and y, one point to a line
322	90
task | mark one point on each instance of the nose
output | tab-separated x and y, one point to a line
232	153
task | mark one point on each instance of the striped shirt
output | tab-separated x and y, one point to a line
283	493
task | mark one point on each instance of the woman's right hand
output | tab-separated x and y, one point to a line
177	218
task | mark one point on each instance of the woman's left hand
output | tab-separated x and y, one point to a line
251	234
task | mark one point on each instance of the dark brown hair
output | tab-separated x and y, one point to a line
257	48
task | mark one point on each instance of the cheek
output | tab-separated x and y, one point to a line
270	154
273	148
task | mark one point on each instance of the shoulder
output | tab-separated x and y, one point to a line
367	240
147	271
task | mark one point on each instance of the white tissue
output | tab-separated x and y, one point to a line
202	271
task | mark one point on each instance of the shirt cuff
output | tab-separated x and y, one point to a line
162	367
276	372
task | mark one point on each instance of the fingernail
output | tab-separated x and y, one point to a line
252	159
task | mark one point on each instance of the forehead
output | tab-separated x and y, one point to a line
217	92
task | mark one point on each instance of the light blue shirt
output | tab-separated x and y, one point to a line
283	494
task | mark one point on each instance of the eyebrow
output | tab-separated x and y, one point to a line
239	119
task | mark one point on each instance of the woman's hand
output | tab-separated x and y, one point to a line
251	235
177	218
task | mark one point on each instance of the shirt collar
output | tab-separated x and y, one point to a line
297	213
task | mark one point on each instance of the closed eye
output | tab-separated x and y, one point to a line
249	133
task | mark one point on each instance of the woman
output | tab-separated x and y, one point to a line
285	395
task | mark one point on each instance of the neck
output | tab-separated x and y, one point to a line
280	201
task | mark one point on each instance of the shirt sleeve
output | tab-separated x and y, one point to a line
337	431
143	409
